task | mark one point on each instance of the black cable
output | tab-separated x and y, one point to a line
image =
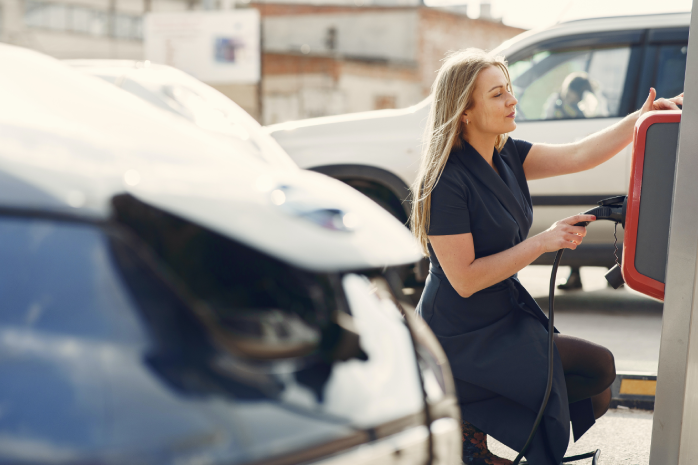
549	385
551	359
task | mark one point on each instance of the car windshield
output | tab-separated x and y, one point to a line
176	91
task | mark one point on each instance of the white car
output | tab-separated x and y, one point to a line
615	59
171	297
177	92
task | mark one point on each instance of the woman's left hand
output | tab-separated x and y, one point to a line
661	103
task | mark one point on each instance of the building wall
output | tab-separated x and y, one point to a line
305	86
380	58
80	28
441	32
340	3
377	35
320	57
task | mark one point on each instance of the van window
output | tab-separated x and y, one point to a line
671	69
570	84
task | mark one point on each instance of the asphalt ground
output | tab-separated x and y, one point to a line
622	435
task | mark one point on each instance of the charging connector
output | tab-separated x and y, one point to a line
611	209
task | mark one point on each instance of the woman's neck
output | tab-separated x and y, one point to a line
484	145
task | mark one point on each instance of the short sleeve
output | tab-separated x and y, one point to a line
449	208
522	148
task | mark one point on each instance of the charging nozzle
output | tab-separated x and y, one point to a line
611	209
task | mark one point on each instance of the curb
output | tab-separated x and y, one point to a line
634	390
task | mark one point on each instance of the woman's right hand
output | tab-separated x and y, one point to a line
564	234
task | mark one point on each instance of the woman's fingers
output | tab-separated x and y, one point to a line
665	104
579	230
678	99
579	219
569	244
574	237
648	105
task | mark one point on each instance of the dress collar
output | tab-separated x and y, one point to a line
504	186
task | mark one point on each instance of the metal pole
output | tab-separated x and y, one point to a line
675	426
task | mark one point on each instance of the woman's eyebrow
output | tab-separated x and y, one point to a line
499	85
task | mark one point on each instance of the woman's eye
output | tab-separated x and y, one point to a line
498	95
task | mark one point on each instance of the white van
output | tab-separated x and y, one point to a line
617	59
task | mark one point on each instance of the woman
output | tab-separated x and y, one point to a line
472	216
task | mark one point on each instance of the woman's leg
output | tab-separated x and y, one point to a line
589	371
475	450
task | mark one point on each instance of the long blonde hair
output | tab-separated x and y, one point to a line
452	95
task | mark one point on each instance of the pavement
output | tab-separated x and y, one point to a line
623	435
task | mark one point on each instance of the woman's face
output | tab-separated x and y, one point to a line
494	107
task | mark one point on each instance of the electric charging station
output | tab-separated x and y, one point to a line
648	208
660	258
671	274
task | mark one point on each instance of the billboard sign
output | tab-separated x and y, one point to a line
216	47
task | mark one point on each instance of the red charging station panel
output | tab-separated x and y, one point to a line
648	213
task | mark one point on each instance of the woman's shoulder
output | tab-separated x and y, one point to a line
454	172
516	149
454	180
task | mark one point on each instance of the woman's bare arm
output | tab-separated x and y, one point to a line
547	160
467	275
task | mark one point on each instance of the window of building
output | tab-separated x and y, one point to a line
82	20
580	83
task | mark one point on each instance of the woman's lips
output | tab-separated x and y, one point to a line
512	114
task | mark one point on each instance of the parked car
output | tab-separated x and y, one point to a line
177	92
614	60
170	298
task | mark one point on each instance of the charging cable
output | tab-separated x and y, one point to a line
612	209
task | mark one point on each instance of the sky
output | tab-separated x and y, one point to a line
531	14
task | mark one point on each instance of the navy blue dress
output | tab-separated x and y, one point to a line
496	339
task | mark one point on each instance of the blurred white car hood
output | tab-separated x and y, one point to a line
70	143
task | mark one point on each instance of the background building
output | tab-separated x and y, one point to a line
318	57
332	59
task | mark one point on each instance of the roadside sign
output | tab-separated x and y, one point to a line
213	46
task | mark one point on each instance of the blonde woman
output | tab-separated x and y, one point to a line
472	215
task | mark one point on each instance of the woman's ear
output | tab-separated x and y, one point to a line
464	118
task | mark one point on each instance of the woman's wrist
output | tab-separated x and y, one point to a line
537	244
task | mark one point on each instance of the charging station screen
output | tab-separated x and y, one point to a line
661	147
